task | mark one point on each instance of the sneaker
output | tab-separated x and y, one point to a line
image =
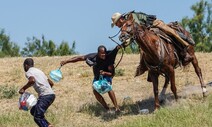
110	112
118	112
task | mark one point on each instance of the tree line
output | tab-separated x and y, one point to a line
200	27
34	47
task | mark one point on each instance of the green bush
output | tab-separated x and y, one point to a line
119	72
7	92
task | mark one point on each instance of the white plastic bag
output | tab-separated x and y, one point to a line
27	101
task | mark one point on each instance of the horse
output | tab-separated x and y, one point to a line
160	56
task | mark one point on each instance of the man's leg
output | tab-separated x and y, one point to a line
113	98
100	99
40	108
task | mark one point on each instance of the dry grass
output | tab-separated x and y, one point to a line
75	104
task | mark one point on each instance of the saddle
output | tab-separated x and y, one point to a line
161	34
185	35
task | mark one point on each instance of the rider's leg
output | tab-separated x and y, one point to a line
160	24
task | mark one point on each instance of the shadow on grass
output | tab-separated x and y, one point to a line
128	107
96	110
93	109
147	104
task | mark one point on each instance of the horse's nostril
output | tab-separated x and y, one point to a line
121	37
124	37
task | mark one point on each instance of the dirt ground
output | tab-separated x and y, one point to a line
75	91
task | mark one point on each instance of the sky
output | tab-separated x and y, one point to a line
87	22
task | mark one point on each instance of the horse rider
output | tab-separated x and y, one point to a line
119	19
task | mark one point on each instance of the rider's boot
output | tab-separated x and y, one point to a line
190	40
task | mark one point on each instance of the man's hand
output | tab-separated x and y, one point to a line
119	47
63	63
21	91
102	72
50	83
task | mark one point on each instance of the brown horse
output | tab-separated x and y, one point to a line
160	57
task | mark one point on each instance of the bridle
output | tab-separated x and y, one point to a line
128	35
134	31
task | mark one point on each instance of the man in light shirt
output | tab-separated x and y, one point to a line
43	86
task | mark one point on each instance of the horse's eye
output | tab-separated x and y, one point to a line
129	25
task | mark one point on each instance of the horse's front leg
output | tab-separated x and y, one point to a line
154	78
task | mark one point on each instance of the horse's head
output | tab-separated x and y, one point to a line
127	31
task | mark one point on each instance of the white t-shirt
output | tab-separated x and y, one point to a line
41	86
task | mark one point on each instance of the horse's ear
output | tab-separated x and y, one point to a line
130	17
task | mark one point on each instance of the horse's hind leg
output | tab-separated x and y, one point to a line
163	92
199	74
172	80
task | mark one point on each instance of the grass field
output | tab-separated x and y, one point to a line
76	106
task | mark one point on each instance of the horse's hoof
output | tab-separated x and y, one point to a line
162	101
157	107
155	110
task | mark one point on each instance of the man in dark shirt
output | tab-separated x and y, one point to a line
103	64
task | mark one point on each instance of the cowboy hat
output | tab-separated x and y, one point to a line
115	17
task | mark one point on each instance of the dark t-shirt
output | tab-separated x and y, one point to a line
100	64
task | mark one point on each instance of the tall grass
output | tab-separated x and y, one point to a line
184	114
76	106
8	92
16	119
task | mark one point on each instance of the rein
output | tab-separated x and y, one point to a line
122	50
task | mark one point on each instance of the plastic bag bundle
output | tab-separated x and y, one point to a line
27	101
102	86
56	75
